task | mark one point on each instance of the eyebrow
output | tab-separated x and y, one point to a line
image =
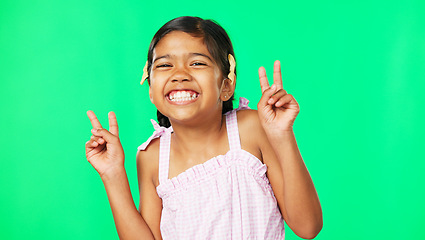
203	55
192	54
165	56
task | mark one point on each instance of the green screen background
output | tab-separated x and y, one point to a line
357	69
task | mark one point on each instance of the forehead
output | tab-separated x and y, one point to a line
178	43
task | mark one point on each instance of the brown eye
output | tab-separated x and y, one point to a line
163	65
198	64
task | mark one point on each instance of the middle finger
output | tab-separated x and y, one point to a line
277	75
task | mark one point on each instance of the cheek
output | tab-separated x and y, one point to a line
156	76
214	77
219	77
151	93
219	82
154	91
156	81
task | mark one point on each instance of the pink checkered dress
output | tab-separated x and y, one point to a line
226	197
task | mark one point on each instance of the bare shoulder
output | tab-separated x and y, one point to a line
147	162
249	123
253	138
247	117
251	132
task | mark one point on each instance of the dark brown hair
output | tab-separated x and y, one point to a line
215	38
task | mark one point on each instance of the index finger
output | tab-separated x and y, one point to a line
263	79
93	119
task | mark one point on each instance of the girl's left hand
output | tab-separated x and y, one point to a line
277	109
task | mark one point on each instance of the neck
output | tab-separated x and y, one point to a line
199	136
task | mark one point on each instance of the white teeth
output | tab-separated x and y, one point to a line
182	96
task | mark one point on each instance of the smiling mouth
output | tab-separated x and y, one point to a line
182	96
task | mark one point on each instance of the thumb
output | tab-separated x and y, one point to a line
266	96
105	134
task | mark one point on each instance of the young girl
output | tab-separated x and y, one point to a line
208	172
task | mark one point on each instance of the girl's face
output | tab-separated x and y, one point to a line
185	82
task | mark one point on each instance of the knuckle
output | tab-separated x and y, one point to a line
89	144
103	131
113	138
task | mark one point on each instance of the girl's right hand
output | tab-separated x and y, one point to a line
104	150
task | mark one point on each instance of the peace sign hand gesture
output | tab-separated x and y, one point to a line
277	109
104	150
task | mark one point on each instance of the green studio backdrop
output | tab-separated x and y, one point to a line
356	68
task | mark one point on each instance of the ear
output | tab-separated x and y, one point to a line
227	89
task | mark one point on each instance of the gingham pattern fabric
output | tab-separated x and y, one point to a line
226	197
159	131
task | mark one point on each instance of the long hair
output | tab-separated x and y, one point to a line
215	38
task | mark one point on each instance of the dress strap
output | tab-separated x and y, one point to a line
159	131
164	148
164	157
232	125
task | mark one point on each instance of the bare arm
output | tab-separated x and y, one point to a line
294	187
105	153
289	177
150	206
128	221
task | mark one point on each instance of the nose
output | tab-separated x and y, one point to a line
181	74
